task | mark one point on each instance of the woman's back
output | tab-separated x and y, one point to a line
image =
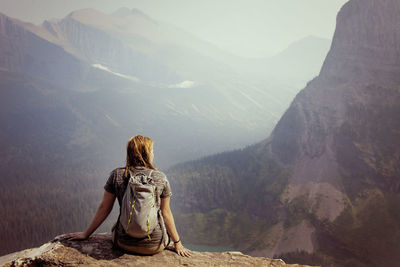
117	184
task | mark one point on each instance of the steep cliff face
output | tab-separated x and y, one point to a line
367	43
331	166
98	251
344	125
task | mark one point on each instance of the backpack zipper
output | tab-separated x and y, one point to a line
148	220
131	213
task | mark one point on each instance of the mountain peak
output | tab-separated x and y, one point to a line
7	19
85	14
124	12
121	12
121	18
366	41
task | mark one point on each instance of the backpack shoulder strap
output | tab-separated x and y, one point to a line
130	174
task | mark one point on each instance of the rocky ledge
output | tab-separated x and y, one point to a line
98	251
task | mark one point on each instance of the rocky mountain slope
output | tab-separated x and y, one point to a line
98	251
324	188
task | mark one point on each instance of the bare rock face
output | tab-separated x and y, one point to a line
98	251
366	44
342	126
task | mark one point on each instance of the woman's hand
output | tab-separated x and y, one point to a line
171	229
181	250
76	236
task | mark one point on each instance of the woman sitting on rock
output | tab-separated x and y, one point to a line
139	163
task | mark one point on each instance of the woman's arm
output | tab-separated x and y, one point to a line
104	209
170	224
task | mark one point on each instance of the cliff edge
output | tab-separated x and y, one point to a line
98	251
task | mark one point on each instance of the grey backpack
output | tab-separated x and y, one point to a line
139	214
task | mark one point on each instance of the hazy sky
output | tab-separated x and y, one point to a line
250	28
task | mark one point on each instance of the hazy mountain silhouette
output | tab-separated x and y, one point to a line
190	82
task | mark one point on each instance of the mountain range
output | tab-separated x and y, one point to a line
192	85
74	90
324	187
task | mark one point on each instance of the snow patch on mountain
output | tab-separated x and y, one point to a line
184	84
195	108
113	122
252	100
101	67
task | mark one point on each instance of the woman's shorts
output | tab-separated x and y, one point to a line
143	250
